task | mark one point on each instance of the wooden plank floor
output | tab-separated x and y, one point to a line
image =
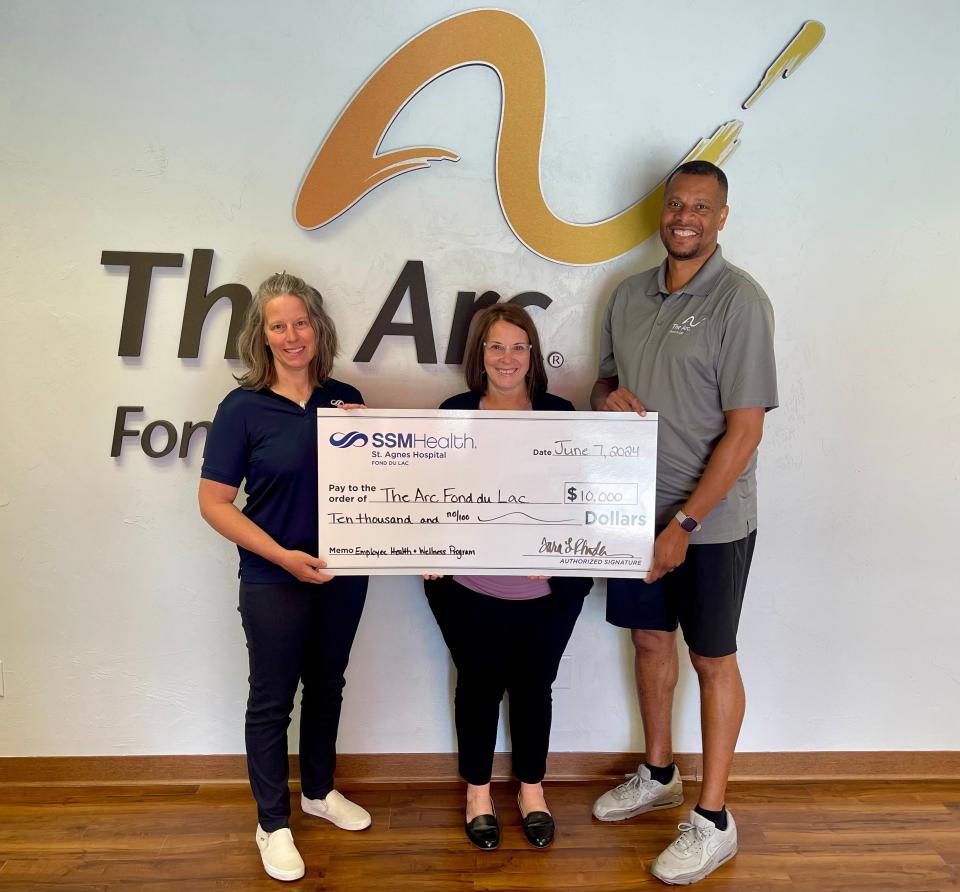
814	837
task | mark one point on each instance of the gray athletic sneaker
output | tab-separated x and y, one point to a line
639	794
699	850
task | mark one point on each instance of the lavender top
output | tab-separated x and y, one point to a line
508	588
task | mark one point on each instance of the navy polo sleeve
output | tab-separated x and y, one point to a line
226	456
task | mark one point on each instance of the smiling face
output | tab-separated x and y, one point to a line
694	211
289	334
507	368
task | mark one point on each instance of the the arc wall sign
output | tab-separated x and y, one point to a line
349	163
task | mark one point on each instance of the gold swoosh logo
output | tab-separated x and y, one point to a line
349	164
807	40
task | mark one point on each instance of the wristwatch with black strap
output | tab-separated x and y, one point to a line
686	522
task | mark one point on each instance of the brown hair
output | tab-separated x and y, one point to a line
473	369
252	341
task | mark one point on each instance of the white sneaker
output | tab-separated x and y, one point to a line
338	810
699	850
280	857
639	794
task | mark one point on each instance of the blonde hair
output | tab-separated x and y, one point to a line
252	341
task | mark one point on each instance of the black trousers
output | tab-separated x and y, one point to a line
296	631
497	646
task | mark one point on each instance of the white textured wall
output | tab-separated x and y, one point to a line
137	126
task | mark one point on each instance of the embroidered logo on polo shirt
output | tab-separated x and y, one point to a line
688	324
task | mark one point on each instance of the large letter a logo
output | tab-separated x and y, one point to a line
349	163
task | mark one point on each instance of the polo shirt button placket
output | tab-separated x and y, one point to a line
662	312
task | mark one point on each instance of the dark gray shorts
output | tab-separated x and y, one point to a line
703	596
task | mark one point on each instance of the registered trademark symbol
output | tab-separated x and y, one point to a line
555	360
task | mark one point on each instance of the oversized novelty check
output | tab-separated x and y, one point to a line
483	492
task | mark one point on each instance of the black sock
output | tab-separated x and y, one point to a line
719	818
660	775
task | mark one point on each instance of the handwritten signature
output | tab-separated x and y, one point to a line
571	546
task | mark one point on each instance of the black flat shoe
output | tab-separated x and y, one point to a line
538	827
484	831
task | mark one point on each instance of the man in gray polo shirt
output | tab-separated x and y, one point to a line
692	340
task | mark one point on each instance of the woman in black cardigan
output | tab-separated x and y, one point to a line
505	633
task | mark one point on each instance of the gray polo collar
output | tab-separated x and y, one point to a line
702	283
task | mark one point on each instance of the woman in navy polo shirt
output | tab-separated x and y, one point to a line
299	622
505	633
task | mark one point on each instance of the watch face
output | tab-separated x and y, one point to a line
689	524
